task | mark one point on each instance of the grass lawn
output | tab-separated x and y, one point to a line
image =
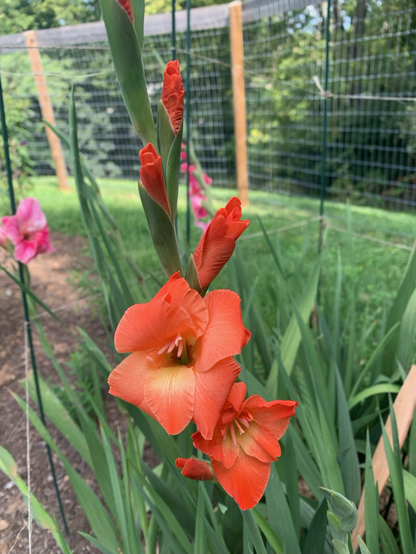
378	267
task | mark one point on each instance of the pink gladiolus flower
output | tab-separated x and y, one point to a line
2	236
184	167
28	231
207	179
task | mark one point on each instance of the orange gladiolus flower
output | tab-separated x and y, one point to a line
126	4
173	94
181	366
151	174
195	469
218	241
245	441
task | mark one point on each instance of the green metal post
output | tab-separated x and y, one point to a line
324	128
173	35
188	118
25	303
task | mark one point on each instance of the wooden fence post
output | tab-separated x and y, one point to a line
239	98
46	109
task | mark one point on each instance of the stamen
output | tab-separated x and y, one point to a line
232	431
243	421
171	347
180	348
163	348
240	429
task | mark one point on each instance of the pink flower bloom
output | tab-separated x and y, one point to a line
28	231
199	211
2	236
184	167
207	179
183	155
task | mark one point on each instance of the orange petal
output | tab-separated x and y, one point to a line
127	379
176	309
173	94
195	469
151	174
225	334
259	442
212	388
237	395
150	325
221	448
245	481
170	394
218	241
272	415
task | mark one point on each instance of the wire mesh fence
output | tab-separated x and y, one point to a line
371	145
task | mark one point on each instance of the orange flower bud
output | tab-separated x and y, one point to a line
173	94
126	4
218	242
195	469
151	174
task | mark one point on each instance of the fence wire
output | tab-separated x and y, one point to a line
371	142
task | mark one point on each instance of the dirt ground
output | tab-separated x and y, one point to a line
50	275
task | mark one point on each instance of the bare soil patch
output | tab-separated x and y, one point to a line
50	281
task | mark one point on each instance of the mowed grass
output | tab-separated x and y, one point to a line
376	266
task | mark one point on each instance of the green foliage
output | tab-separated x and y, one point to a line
24	15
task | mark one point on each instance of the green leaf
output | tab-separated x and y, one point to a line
162	232
253	531
172	172
406	289
374	357
138	17
383	388
363	546
127	57
396	475
407	336
280	518
371	503
268	532
200	542
340	547
95	543
119	501
9	466
292	337
31	294
387	539
410	488
315	539
97	516
58	414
